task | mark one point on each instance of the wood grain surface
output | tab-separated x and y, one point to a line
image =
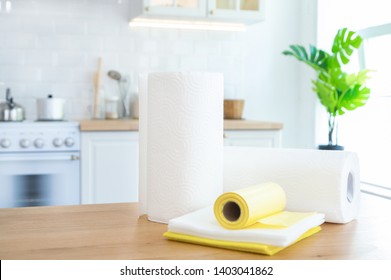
132	125
114	231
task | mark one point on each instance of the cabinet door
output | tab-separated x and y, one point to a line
260	138
175	8
240	10
109	167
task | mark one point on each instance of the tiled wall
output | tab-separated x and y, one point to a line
52	47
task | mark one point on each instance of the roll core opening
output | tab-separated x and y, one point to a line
350	188
231	211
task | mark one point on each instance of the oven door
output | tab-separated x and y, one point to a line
28	179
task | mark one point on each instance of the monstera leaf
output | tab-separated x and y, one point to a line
353	98
315	58
345	42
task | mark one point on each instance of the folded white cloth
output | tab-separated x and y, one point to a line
202	223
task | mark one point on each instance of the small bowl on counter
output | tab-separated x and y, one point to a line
233	108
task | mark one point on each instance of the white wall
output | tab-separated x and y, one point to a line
278	88
52	47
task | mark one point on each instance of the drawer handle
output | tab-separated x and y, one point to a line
212	12
146	8
225	135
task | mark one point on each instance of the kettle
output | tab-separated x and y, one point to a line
10	111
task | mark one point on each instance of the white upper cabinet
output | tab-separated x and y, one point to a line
247	11
244	11
175	8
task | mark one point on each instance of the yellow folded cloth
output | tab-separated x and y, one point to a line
250	219
232	245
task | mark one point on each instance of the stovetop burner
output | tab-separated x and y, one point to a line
39	136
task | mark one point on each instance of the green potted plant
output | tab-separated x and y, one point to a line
337	90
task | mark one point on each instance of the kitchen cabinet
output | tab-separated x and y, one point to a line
109	166
252	133
244	11
109	154
170	8
253	138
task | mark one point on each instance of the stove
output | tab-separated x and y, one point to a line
20	137
39	163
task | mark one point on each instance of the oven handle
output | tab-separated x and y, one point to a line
55	158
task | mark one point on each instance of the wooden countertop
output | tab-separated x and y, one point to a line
114	231
109	125
251	125
132	125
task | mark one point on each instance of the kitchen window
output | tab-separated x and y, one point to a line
369	129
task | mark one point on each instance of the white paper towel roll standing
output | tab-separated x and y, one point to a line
314	180
184	143
142	131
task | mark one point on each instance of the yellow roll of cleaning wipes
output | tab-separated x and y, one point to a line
245	207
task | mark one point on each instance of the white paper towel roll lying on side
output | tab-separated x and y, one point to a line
324	181
184	143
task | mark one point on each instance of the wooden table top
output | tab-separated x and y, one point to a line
114	231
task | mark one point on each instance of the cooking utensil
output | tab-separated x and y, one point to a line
123	86
50	109
9	110
97	103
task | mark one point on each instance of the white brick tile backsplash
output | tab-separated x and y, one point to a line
207	48
109	59
74	59
11	57
82	75
17	41
129	62
53	46
21	74
195	35
38	25
99	27
232	48
36	90
164	63
137	33
220	62
39	58
70	26
71	90
53	42
147	47
182	48
69	42
116	43
10	24
193	63
164	34
57	74
222	35
229	91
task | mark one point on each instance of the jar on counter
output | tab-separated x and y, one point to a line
112	107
